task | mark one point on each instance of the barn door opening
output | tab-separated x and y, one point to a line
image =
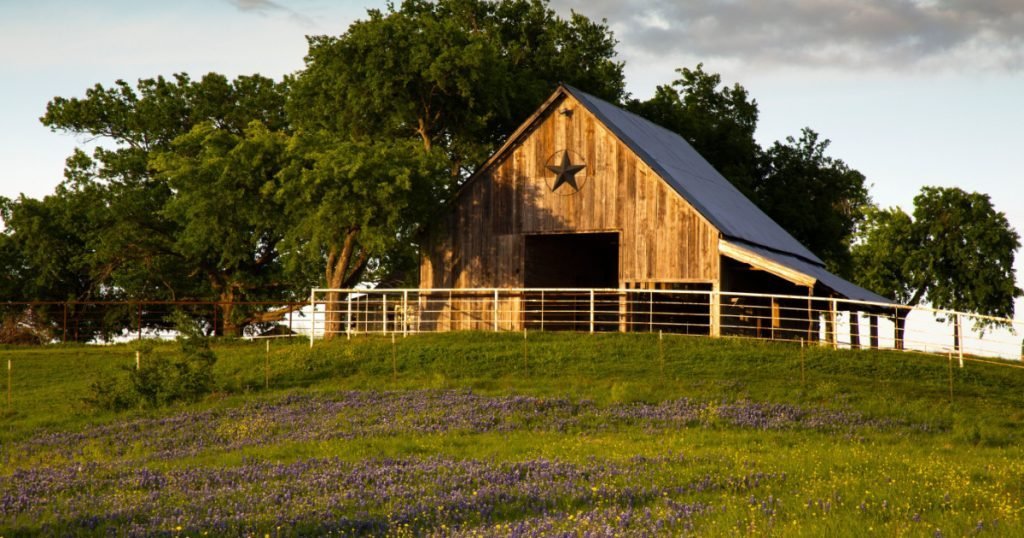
579	260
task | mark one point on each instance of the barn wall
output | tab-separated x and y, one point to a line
481	244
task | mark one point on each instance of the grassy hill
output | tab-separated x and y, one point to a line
484	434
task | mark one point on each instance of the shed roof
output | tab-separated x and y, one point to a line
818	273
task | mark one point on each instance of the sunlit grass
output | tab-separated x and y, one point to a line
484	434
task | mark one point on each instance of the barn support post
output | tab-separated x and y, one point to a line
450	309
716	310
810	313
541	310
873	320
650	312
591	310
854	329
622	310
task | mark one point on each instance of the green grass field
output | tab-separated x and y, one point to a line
480	434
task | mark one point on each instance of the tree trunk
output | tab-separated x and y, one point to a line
338	274
226	325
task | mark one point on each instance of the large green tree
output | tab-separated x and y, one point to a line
956	252
45	257
352	203
227	222
459	74
180	212
815	197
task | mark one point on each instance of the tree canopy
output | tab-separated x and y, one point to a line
956	253
170	205
818	199
459	74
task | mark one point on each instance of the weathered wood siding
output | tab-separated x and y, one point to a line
662	238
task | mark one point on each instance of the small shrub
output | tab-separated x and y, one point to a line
162	379
111	394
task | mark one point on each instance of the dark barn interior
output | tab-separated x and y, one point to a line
572	260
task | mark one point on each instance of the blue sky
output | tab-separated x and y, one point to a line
911	92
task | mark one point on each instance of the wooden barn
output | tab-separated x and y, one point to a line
587	195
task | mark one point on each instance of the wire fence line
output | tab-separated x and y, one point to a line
835	322
43	322
328	313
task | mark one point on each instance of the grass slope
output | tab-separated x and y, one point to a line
482	434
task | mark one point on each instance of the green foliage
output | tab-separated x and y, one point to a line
956	253
171	204
43	247
459	74
816	198
110	393
211	169
161	379
353	200
718	122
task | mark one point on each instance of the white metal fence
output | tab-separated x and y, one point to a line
839	323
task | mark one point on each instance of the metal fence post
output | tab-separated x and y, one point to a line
384	313
348	316
405	313
835	324
543	306
960	335
312	316
715	299
591	310
495	309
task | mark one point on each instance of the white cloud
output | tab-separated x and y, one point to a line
874	34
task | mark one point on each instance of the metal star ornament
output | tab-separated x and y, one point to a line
565	172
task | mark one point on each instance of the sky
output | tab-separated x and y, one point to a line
910	92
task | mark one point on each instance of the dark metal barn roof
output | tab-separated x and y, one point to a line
735	216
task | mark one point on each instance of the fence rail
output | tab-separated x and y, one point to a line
834	322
